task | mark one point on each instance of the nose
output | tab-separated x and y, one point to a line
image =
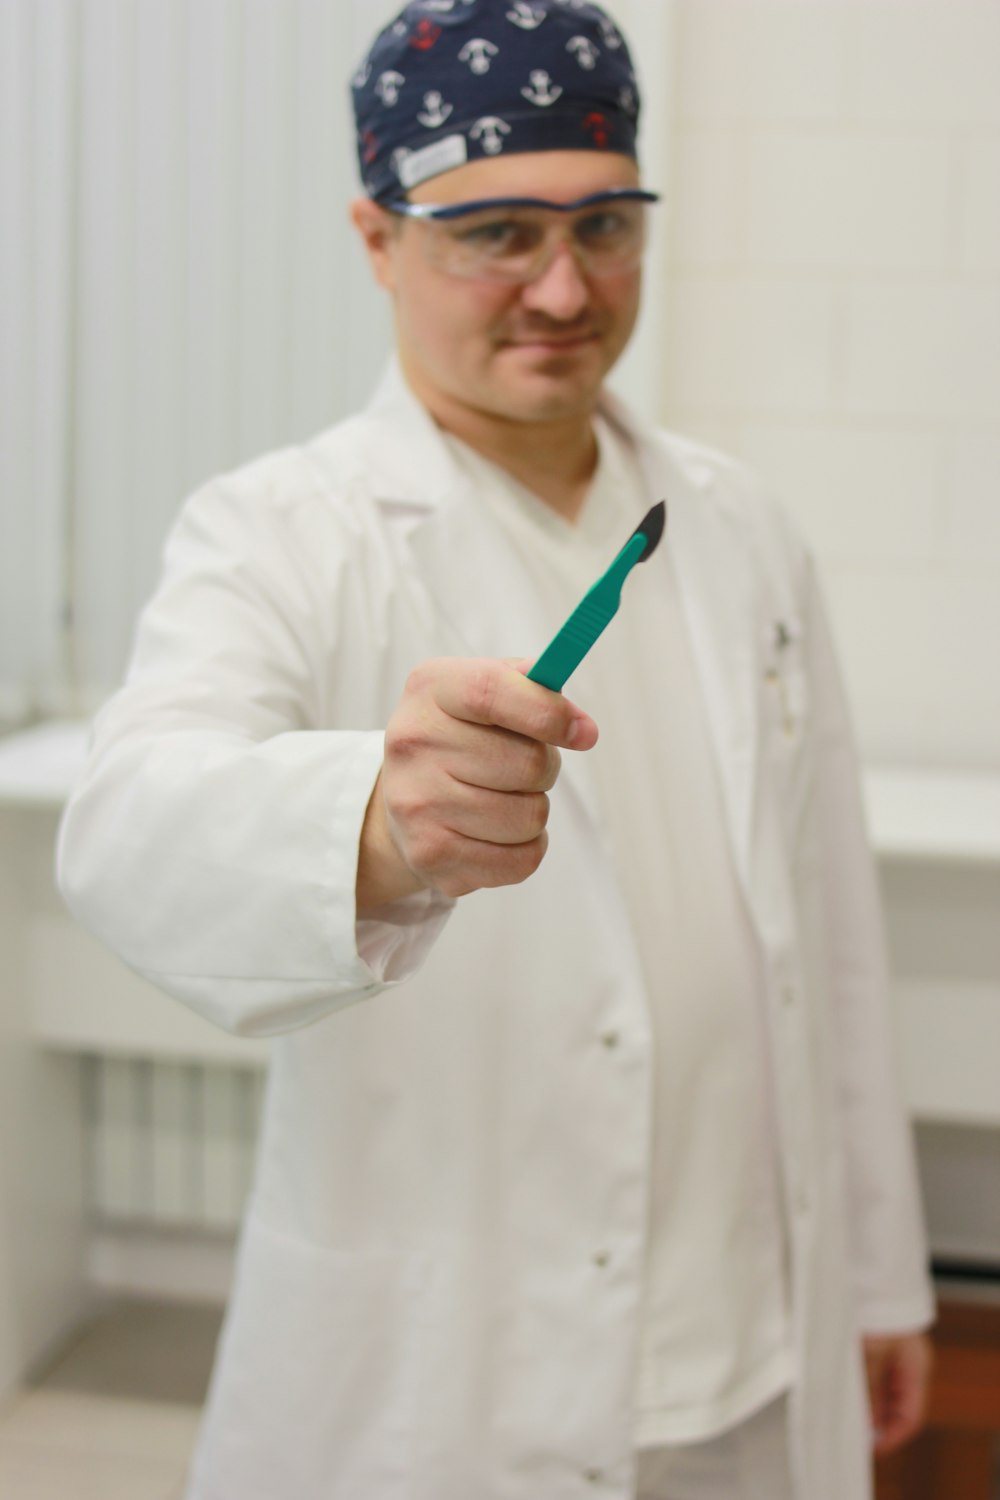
560	290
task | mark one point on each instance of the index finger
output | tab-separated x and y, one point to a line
489	691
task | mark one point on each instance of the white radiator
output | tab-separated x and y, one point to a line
169	1145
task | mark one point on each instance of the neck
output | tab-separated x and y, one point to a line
554	459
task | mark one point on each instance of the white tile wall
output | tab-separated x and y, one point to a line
739	342
761	60
848	202
979	208
834	318
972	504
919	651
929	350
706	193
913	64
871	493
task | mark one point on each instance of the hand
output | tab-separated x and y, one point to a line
898	1367
460	803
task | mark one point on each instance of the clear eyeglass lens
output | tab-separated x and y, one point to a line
513	245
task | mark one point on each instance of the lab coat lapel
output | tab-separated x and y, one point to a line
715	580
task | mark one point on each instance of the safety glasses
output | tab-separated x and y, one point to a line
515	240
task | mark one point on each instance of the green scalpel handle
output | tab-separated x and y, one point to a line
596	609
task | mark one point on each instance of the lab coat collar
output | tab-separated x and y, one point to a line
479	584
436	478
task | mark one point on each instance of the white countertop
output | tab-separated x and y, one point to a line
913	814
39	766
934	815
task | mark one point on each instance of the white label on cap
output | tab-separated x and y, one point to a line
416	166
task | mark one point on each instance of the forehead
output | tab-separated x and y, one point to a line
561	176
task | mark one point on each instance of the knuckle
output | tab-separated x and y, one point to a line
422	677
540	723
403	741
419	678
405	805
536	764
431	850
534	815
480	690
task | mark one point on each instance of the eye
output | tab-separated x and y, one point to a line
603	226
499	236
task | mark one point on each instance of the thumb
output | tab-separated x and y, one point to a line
587	733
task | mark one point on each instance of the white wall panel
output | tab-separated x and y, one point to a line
853	491
918	648
850	154
971	532
925	62
741	343
979	210
708	212
770	60
853	202
927	350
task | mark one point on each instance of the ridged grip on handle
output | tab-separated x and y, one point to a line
590	618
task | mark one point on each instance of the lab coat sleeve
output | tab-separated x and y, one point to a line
212	841
892	1286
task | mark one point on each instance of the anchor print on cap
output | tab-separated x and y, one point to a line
478	54
435	111
526	16
491	131
542	91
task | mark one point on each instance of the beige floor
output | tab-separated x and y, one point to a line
115	1417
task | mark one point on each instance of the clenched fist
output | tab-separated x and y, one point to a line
460	802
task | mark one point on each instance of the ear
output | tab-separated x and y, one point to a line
379	230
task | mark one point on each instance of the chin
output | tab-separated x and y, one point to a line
550	388
545	399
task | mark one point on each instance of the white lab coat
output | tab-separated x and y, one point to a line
439	1276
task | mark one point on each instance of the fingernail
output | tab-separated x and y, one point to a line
573	732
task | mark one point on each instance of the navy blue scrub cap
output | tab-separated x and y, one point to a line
450	81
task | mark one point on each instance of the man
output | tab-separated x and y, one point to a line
583	1169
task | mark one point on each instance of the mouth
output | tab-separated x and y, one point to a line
553	343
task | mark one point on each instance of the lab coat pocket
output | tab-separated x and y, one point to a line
313	1389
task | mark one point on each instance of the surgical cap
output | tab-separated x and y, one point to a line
451	81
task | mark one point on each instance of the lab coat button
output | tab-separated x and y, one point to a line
609	1038
803	1201
602	1258
788	994
593	1476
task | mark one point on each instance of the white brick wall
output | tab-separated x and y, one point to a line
833	317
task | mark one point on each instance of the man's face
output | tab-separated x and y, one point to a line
532	353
